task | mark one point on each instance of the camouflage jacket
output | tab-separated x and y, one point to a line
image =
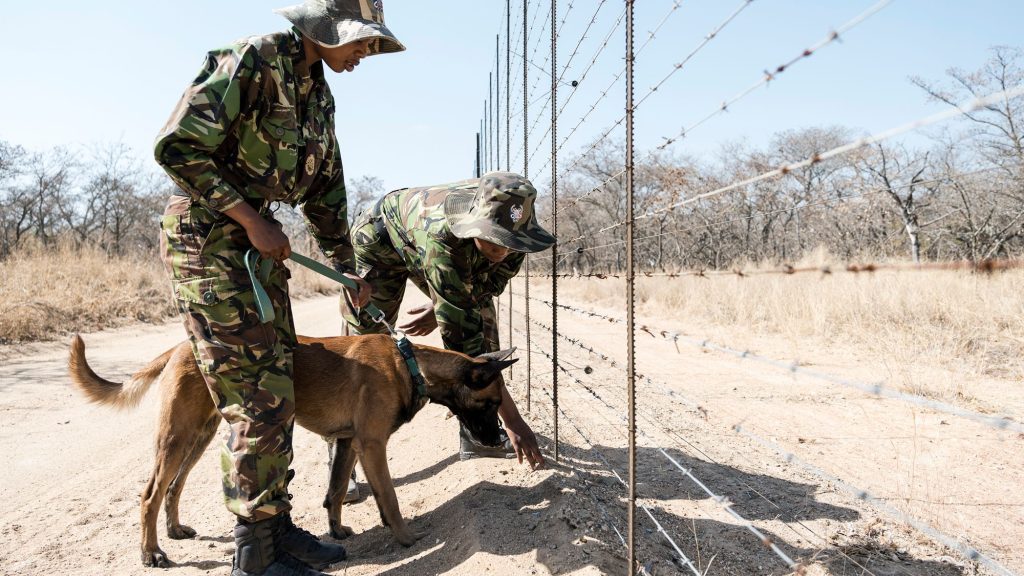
458	278
257	125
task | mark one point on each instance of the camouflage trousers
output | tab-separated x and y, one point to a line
383	267
247	365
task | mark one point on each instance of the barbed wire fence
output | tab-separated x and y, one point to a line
526	66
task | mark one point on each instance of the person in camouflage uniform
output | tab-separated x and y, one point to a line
459	243
257	126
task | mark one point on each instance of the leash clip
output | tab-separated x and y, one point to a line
377	315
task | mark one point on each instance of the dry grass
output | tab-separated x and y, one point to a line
48	293
45	294
969	324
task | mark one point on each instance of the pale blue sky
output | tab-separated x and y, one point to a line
94	72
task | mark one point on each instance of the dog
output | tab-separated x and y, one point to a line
354	390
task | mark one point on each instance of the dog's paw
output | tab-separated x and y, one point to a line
409	538
339	532
155	559
180	532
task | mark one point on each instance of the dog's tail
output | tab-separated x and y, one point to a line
109	393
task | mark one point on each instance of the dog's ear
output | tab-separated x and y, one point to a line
499	355
481	374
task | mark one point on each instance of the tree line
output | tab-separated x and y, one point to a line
103	196
100	196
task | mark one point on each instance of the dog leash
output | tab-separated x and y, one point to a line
259	272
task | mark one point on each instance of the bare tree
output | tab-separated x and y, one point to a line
997	132
13	208
362	193
899	173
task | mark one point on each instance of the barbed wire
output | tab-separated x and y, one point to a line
650	37
986	266
966	551
676	68
766	78
615	79
576	49
561	25
536	45
723	502
686	561
578	81
769	76
547	94
513	41
861	494
583	77
817	157
966	108
877	389
874	389
679	66
707	38
530	61
705	416
541	69
533	23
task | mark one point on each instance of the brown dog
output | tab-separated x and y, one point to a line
354	389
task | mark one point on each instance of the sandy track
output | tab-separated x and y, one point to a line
75	471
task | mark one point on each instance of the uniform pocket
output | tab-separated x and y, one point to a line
186	228
281	133
280	125
206	291
223	319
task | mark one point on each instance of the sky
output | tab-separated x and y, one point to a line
91	73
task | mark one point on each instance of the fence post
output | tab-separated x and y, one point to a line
554	220
630	328
526	174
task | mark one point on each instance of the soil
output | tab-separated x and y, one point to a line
75	470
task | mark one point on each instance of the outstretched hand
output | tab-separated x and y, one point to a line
424	322
525	443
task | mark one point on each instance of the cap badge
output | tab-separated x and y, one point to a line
516	212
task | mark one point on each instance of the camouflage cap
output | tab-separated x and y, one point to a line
500	211
333	23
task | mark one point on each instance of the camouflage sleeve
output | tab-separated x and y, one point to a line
207	112
327	214
458	314
495	282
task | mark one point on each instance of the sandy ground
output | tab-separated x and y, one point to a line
74	471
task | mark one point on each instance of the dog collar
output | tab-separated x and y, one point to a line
419	390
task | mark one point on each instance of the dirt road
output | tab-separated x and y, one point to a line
74	471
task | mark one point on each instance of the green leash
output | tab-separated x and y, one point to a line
259	272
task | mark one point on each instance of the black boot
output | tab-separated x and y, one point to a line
258	551
306	547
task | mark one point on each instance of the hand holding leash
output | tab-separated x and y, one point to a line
360	294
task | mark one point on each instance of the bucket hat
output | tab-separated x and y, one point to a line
499	211
332	23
